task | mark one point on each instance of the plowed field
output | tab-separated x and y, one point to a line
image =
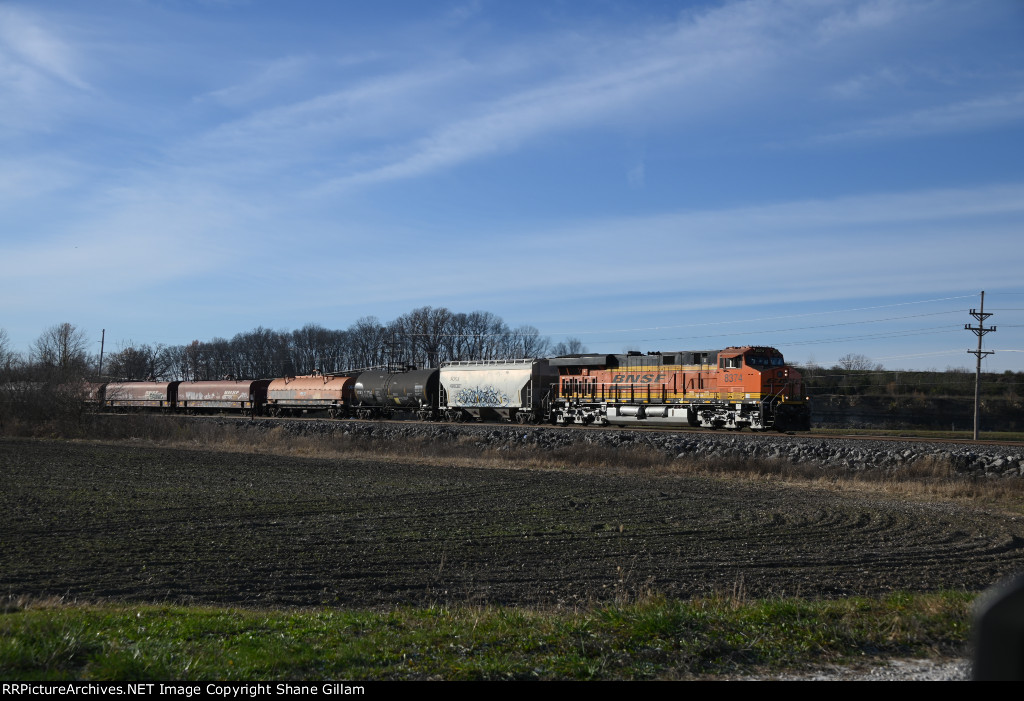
140	523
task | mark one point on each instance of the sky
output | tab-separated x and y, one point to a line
825	177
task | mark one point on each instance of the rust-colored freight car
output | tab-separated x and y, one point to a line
247	396
316	392
141	395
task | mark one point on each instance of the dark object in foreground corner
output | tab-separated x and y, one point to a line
999	633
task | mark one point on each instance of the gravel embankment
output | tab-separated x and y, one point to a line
850	454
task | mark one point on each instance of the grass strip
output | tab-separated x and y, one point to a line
918	433
655	639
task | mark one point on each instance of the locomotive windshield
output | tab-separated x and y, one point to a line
763	361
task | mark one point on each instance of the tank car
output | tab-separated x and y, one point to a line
739	387
382	393
316	392
510	390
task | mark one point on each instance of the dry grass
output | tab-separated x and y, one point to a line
926	479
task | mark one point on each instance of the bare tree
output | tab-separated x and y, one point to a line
315	347
173	359
425	331
203	361
856	361
219	359
335	352
61	352
5	344
526	342
8	358
482	336
259	353
570	346
369	341
192	361
138	362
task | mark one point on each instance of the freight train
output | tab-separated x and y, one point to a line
735	388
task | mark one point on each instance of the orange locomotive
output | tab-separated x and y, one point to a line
733	388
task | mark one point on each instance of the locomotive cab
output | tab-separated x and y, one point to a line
768	374
760	373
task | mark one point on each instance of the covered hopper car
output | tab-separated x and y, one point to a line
505	390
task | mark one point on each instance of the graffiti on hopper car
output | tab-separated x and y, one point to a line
487	396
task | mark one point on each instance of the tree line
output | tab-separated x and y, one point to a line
858	375
424	337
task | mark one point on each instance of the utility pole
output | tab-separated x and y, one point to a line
980	331
103	338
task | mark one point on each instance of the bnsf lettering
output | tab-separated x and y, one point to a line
638	379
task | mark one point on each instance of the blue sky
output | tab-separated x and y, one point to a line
825	177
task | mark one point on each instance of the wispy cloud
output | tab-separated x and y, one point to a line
330	123
866	84
366	109
729	57
269	79
32	51
42	76
23	180
637	70
831	248
136	240
966	115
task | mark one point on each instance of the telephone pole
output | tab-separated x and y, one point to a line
103	338
980	331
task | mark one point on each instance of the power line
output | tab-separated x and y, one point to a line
733	333
768	318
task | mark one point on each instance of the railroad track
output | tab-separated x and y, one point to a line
902	438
